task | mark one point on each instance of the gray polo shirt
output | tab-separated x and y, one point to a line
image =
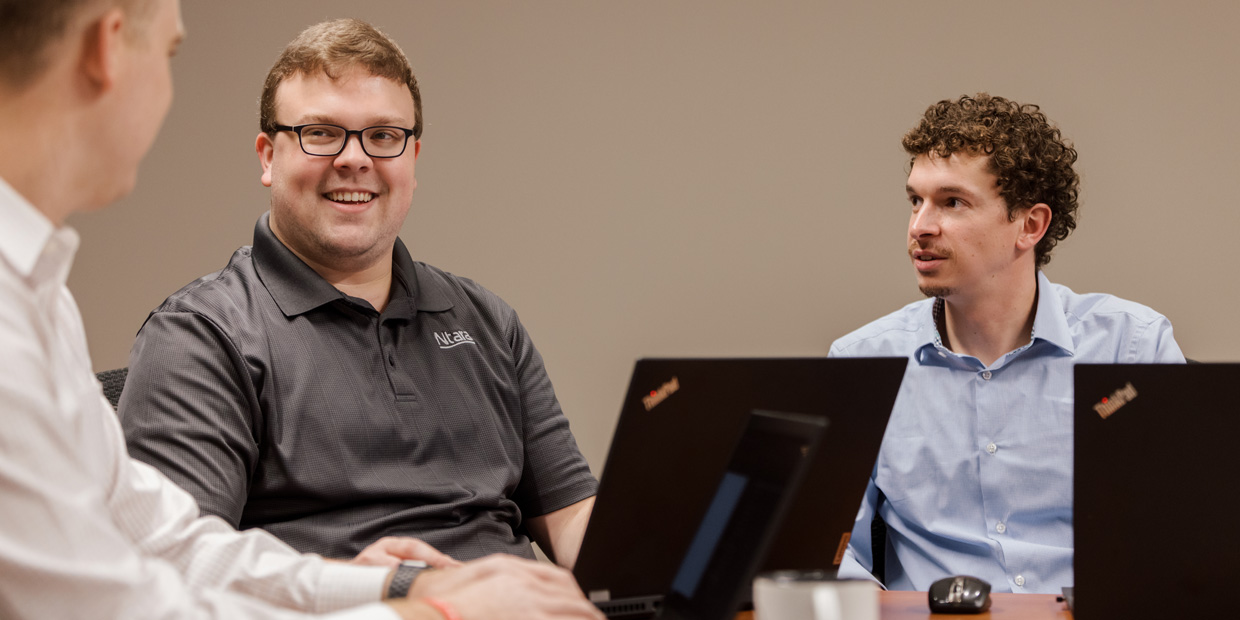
279	402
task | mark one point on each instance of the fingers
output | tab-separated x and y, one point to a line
371	556
549	573
391	550
554	589
508	587
413	549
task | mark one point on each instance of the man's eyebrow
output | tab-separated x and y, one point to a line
393	121
944	189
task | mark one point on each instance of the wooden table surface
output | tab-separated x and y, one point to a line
1003	606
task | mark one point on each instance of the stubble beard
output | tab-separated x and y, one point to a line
936	291
927	289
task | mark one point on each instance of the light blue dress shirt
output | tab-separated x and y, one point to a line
976	463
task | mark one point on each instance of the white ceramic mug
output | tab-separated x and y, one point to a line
813	595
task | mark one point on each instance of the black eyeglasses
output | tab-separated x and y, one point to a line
323	140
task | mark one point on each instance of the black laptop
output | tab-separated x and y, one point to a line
765	471
680	420
1156	498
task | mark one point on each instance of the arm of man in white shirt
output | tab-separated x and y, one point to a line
84	530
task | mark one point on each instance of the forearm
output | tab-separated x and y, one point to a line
211	554
560	533
415	609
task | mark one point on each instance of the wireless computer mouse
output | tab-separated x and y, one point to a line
959	595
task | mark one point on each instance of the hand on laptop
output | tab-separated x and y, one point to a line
392	550
501	586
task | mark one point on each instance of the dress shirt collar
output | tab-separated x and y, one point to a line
36	249
1049	325
25	231
297	288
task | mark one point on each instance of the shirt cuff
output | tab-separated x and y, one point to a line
342	586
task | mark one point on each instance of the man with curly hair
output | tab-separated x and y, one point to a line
975	471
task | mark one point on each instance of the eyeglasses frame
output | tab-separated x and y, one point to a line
349	133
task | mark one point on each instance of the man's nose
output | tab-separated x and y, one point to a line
353	155
923	222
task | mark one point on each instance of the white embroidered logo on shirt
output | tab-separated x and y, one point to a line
1118	398
449	340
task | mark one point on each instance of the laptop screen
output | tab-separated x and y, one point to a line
1155	497
677	429
764	473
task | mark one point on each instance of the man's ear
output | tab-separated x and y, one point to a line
1034	222
100	60
266	151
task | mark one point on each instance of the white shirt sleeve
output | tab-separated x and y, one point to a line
85	531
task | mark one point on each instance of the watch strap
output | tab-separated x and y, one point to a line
406	572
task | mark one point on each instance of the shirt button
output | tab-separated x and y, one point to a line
986	375
1020	581
391	359
991	447
1001	528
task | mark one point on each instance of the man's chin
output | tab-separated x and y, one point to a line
935	291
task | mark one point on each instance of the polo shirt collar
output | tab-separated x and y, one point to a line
297	289
426	291
1049	325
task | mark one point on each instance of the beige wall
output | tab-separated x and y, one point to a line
650	178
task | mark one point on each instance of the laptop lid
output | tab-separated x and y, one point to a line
678	425
1155	493
765	470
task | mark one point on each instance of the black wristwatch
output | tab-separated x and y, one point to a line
405	574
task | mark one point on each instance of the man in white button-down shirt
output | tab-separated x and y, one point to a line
85	531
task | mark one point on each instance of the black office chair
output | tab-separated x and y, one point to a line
113	383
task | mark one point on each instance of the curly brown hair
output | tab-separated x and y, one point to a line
335	47
1031	160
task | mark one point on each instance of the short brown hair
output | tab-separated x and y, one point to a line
28	27
1027	154
334	47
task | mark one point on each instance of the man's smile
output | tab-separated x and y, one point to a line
350	197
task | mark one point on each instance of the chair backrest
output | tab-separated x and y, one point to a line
113	383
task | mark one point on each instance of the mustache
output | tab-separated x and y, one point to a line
937	251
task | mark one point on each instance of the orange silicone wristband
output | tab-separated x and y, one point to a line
443	607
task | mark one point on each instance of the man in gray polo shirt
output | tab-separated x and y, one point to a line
326	387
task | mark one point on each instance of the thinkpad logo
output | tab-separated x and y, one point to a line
1110	404
655	397
451	340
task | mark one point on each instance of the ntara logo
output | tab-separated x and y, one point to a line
657	396
449	340
1118	398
